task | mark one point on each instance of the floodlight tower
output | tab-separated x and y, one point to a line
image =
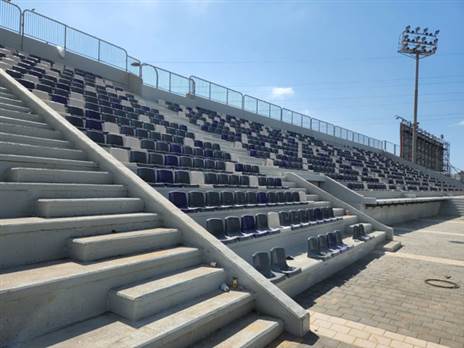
417	44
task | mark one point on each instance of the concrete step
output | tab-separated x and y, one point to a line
41	151
6	94
312	197
93	248
338	211
15	161
32	140
9	106
248	332
12	101
58	176
29	130
20	122
180	327
26	116
153	296
50	208
320	204
31	240
18	200
75	292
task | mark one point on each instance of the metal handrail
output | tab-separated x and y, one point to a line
7	3
191	88
65	38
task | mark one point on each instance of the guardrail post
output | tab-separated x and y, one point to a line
65	36
99	44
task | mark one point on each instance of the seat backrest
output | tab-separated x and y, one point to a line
210	178
182	177
164	176
279	259
332	240
284	218
295	216
215	227
156	158
179	199
147	174
261	222
213	199
262	263
248	223
339	236
228	198
262	197
251	197
185	161
196	199
273	220
323	243
240	197
313	245
232	225
304	215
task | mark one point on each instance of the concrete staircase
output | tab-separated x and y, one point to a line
83	264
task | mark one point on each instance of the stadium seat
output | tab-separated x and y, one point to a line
233	228
262	263
279	263
314	250
216	228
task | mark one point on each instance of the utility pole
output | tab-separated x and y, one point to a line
417	44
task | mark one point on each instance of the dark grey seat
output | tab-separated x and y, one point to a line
324	245
279	263
314	250
216	228
262	263
262	225
233	228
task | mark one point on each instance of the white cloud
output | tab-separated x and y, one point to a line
282	92
461	123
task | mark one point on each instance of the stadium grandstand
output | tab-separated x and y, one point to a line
170	211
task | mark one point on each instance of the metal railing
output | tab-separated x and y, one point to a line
10	16
37	26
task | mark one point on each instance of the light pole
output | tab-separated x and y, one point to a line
417	44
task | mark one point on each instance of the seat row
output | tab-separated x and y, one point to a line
326	246
198	201
274	265
234	228
169	177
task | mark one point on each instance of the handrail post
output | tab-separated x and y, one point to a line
65	36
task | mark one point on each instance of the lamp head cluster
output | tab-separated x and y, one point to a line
418	42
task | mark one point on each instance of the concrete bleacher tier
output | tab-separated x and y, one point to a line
213	187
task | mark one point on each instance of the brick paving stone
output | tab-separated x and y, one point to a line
388	294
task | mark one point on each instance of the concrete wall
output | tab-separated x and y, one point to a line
395	214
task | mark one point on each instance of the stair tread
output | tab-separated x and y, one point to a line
17	225
21	137
64	171
110	331
243	333
123	235
7	119
41	146
48	160
87	200
138	291
51	272
52	185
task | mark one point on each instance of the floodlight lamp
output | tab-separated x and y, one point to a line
135	64
426	30
435	41
417	29
437	32
408	27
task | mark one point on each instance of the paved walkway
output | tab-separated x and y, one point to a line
383	300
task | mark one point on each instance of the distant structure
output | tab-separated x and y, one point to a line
417	44
432	152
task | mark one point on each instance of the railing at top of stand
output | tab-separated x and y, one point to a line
37	26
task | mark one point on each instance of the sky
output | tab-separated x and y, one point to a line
333	60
